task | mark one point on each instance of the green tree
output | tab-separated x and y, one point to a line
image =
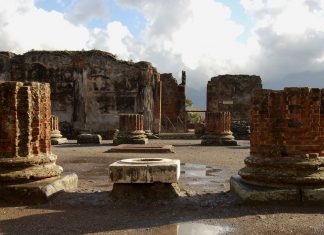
188	103
192	116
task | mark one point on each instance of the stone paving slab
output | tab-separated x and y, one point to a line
132	148
39	191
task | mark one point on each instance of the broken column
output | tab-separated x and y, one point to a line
27	166
56	136
131	130
287	147
218	129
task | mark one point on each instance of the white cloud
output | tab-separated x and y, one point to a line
289	36
25	27
286	38
200	34
116	39
82	11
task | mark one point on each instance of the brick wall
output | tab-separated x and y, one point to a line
173	100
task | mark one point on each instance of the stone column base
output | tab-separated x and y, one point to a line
38	191
135	137
26	169
219	139
248	193
57	138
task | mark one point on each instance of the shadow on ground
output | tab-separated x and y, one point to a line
98	212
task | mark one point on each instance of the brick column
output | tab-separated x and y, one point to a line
54	123
287	138
56	136
131	130
25	147
131	122
218	129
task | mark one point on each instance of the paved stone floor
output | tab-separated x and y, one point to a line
206	203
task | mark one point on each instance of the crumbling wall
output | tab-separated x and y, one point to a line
5	65
90	88
232	93
173	102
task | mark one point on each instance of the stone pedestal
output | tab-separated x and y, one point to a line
218	129
145	177
131	130
25	140
286	146
56	137
89	139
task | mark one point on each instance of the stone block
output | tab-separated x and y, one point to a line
145	170
56	141
38	191
140	191
252	193
312	194
89	139
130	148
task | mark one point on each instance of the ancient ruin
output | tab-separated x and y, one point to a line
131	130
145	177
232	93
27	165
90	88
286	147
218	129
173	103
56	136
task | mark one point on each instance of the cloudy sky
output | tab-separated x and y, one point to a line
280	40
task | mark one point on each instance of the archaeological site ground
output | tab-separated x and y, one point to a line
90	144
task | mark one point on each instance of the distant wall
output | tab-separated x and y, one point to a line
232	93
90	88
173	101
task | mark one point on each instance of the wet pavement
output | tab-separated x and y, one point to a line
189	229
206	206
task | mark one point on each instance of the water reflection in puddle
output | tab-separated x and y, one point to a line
197	170
202	174
191	229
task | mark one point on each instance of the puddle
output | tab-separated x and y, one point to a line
197	170
192	229
202	174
